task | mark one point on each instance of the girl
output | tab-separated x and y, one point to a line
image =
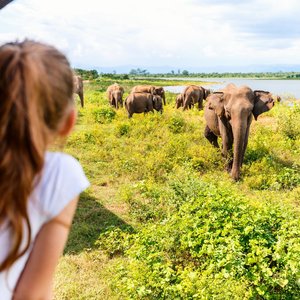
39	190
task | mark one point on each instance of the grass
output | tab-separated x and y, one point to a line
143	170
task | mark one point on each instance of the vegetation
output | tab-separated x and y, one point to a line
136	74
261	75
87	74
163	220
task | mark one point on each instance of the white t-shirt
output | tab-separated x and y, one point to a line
61	181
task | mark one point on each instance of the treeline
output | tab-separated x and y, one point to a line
261	75
86	74
141	73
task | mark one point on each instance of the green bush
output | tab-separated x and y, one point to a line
177	124
290	122
122	129
216	246
103	115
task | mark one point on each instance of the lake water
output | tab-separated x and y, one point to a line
284	88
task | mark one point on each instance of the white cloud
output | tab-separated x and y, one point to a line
176	33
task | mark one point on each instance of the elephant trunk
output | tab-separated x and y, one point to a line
164	98
81	99
239	136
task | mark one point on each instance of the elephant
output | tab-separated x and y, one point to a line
179	100
115	95
159	90
142	103
154	90
194	94
78	88
228	114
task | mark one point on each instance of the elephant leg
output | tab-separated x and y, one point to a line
227	142
200	104
212	138
186	103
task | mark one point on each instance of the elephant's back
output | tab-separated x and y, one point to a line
142	89
137	102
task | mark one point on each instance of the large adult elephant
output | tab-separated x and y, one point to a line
194	94
78	88
115	95
228	114
142	103
154	90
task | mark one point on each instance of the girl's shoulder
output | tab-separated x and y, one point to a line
61	180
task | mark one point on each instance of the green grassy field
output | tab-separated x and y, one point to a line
163	220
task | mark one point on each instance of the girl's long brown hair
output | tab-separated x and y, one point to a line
36	91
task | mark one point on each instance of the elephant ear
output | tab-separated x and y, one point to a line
215	102
158	90
206	93
154	99
263	101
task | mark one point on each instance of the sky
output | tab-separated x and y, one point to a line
162	35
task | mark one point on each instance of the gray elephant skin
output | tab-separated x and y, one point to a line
193	95
228	114
154	90
78	88
142	103
115	95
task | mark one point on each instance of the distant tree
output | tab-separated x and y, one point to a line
185	72
133	72
93	74
86	74
138	71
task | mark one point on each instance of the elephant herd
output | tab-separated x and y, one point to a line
228	113
191	96
142	98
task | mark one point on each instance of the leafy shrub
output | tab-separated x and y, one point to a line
287	178
217	245
177	124
276	176
103	115
290	122
115	240
122	129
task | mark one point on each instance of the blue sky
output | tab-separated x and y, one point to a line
202	35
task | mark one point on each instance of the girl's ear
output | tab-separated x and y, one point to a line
69	123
